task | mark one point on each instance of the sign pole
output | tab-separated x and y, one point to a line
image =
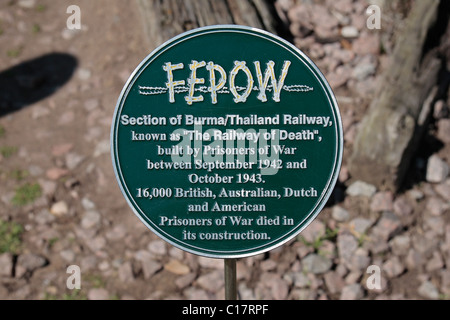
230	279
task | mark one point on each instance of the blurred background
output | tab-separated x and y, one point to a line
385	233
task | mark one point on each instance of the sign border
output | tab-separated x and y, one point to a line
327	191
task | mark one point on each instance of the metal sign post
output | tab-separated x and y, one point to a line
230	279
227	142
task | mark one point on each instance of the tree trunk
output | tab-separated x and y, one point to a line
164	19
388	135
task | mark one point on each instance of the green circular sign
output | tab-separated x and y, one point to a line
227	141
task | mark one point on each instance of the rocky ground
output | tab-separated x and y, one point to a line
60	204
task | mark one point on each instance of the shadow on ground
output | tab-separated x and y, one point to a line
34	80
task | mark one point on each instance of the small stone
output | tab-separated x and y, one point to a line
176	267
6	264
39	112
48	187
59	209
28	4
303	251
415	194
68	34
3	291
87	204
347	245
382	201
192	293
212	281
301	280
268	265
88	263
393	267
103	147
360	225
73	160
276	287
56	173
91	104
443	133
367	43
35	170
340	214
365	68
316	264
361	188
425	243
66	118
349	32
97	243
245	293
22	293
328	249
360	260
149	266
334	282
441	110
67	255
243	271
353	277
352	292
157	247
428	290
446	245
343	6
314	231
316	51
364	87
90	219
402	207
435	263
279	289
84	74
443	190
400	244
445	283
126	272
414	259
61	149
43	217
98	294
302	294
29	262
344	174
117	233
184	281
339	77
437	170
210	263
436	224
387	226
325	23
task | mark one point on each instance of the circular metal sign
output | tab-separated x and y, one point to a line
227	141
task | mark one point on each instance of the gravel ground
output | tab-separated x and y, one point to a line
60	204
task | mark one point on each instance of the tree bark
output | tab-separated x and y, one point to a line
388	135
164	19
